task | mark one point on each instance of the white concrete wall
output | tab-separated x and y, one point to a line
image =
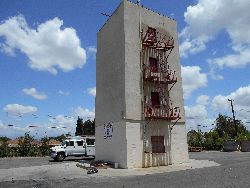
110	71
133	95
110	90
179	147
112	149
134	144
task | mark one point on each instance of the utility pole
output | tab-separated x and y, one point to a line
231	101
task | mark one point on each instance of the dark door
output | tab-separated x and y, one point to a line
153	64
155	100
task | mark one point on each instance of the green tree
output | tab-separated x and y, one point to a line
195	138
243	136
4	138
212	141
79	127
89	127
60	138
4	149
25	145
226	128
44	148
34	151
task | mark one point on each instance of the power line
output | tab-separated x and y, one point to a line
105	14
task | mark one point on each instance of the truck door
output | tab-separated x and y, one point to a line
90	147
80	147
70	148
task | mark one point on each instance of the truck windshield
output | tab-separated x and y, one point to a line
64	143
90	141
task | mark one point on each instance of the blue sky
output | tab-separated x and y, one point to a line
47	60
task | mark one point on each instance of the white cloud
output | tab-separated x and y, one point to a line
241	103
91	51
18	109
207	18
220	103
198	111
65	124
38	130
92	91
61	124
2	126
240	59
48	47
84	113
198	114
12	132
62	121
213	72
6	49
192	46
241	97
189	83
65	93
203	100
205	125
35	94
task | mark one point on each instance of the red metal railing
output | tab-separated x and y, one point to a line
168	76
159	46
157	40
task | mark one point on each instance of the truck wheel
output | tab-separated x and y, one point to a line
60	157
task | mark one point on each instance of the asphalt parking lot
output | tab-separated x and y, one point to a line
234	171
6	163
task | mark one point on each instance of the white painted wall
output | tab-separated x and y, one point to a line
133	97
179	147
110	90
134	144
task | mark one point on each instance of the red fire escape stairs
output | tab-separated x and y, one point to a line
158	75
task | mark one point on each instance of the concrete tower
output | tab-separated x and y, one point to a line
140	120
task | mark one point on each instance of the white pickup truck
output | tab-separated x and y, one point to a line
75	146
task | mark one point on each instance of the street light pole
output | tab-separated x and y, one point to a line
232	107
12	171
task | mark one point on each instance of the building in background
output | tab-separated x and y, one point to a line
140	120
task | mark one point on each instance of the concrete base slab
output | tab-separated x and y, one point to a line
73	170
